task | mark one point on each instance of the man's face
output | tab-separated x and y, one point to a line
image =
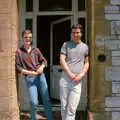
27	38
76	35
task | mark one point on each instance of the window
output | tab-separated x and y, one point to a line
81	5
55	5
29	6
28	24
82	22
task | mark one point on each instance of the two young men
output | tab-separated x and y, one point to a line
74	61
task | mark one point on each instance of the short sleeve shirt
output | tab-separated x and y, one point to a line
75	55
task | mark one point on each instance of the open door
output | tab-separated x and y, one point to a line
60	32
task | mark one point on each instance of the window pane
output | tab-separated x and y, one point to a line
29	5
82	22
28	24
81	5
55	5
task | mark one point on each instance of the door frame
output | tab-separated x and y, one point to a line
23	15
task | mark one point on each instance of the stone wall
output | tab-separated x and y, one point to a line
8	44
104	36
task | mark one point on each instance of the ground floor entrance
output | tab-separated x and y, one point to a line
51	32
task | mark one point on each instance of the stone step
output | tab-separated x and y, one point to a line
55	107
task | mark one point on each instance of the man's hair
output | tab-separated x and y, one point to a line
26	32
77	26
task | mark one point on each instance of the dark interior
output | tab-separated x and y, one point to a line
61	33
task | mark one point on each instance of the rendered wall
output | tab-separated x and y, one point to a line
8	43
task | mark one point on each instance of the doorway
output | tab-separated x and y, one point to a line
52	31
50	25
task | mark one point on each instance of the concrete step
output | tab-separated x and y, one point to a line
55	107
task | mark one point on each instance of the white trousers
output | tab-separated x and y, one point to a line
70	93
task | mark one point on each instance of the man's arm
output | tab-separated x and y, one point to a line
86	66
84	71
65	66
42	61
41	58
41	69
28	72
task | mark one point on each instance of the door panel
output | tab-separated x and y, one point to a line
54	81
60	32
